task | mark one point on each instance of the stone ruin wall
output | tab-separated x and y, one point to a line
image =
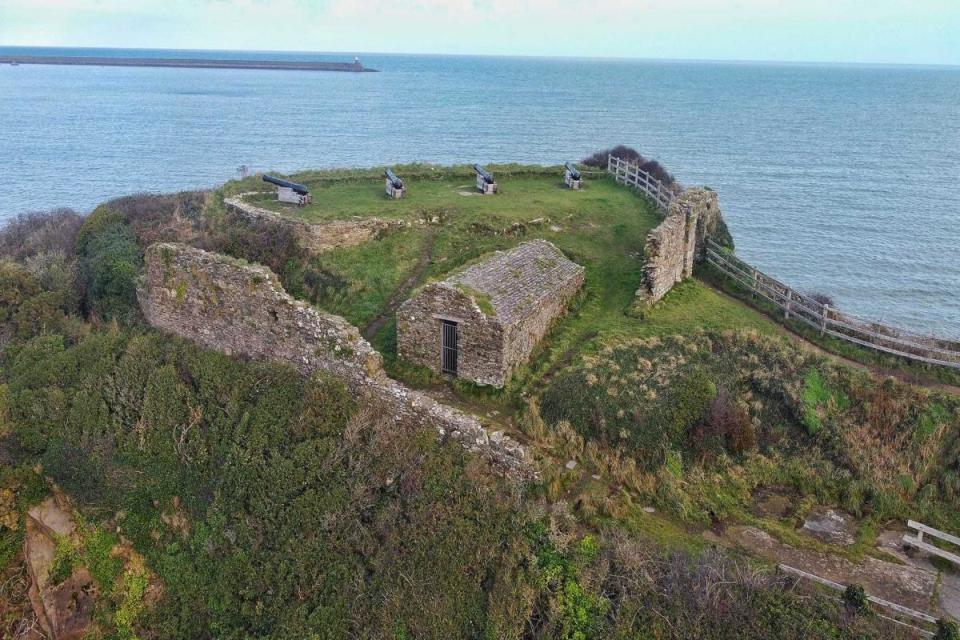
242	310
479	337
315	238
678	242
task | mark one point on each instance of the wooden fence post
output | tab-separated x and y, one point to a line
789	296
824	318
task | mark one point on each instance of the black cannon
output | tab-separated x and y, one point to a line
572	177
483	173
394	186
290	192
286	184
394	180
485	181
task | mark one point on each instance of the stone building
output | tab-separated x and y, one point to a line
484	320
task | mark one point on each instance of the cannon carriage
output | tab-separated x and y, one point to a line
486	184
290	192
395	187
572	177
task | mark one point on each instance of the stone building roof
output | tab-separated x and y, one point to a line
517	281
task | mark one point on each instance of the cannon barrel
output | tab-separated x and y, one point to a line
394	180
572	168
297	188
486	175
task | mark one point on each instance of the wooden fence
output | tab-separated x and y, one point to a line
886	604
633	176
917	541
829	321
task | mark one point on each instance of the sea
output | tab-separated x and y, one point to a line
836	179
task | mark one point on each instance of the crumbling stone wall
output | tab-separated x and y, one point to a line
316	238
241	309
677	243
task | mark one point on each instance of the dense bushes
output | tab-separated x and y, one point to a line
628	154
110	261
273	506
39	233
304	514
887	449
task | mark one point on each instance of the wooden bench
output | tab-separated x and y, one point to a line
917	541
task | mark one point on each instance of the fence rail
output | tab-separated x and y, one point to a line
633	176
829	321
886	604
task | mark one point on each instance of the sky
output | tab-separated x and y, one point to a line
865	31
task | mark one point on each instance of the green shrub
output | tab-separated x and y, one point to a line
65	559
855	598
110	261
947	630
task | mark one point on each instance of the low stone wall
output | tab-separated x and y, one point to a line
678	242
242	309
316	238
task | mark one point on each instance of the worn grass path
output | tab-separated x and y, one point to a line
403	290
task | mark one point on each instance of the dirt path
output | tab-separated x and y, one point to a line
906	585
403	289
883	372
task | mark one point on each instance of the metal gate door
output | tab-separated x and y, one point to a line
448	347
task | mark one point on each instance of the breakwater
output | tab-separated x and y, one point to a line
188	63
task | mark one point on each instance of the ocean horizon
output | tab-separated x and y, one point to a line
836	178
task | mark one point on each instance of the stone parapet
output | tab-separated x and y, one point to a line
315	238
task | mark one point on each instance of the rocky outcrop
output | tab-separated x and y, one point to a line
315	238
678	242
63	593
65	607
242	309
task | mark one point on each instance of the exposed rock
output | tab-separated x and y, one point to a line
64	610
831	526
771	503
948	593
905	585
64	605
571	465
